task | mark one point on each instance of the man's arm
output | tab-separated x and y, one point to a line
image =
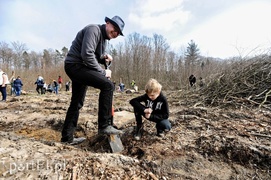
91	39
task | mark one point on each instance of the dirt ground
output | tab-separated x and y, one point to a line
204	143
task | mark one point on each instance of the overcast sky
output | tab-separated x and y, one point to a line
220	28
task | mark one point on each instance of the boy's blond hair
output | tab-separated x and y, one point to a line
153	86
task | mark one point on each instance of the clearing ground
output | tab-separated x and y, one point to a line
204	143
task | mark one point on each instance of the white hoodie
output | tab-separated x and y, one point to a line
3	78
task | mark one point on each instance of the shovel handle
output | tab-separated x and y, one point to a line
107	64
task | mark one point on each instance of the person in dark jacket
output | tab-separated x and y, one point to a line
17	83
40	83
82	65
192	80
56	86
153	106
68	86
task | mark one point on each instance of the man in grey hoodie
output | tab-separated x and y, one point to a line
82	65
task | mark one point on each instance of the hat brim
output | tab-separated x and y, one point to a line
114	24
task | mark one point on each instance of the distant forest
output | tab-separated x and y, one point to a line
138	58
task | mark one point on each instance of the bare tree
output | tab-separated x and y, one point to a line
19	49
47	59
5	54
35	60
160	51
26	61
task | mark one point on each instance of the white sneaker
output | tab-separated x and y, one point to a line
77	140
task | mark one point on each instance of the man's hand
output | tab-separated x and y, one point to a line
108	57
108	73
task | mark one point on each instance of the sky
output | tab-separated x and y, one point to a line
220	28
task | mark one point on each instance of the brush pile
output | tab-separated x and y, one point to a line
244	83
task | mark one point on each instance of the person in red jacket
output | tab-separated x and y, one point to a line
60	81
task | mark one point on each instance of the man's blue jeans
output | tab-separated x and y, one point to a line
82	77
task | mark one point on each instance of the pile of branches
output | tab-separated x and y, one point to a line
246	83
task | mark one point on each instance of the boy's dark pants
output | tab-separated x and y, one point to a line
160	125
82	77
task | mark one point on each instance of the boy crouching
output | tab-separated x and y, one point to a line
154	107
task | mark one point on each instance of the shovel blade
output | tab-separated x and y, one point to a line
115	143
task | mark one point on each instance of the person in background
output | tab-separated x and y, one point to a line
18	86
55	86
12	78
68	83
153	106
3	85
134	86
12	89
122	86
60	81
39	82
50	88
44	88
133	83
192	80
82	65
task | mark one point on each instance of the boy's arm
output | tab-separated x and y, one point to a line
136	103
163	113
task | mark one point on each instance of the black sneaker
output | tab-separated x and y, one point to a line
138	133
109	130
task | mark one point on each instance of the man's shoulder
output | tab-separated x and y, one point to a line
93	27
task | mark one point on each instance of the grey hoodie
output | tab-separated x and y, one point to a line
88	46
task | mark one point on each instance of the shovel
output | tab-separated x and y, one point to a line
114	139
115	143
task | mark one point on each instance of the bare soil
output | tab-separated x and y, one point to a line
204	143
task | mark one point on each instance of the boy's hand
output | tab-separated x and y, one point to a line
147	116
148	111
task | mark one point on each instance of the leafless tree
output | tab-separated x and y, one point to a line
18	48
5	54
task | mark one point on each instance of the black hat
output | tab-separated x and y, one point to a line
117	22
